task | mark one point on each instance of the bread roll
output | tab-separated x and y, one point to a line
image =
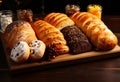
20	52
51	36
59	20
37	50
99	34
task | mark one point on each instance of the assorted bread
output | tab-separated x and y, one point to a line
57	34
99	34
76	39
52	37
22	41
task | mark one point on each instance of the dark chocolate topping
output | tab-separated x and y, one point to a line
76	40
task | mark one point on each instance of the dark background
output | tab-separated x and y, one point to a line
110	7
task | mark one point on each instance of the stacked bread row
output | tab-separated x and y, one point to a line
93	27
59	34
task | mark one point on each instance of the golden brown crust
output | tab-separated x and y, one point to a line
51	36
59	20
19	31
96	30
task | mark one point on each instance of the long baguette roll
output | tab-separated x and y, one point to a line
52	37
99	34
59	20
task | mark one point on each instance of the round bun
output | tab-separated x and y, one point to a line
37	49
20	52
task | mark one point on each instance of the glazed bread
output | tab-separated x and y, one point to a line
19	31
51	36
59	20
99	34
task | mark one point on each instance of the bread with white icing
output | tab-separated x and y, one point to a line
37	50
20	52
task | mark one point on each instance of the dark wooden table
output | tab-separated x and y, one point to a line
104	70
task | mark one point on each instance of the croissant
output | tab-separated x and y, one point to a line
59	20
99	34
52	37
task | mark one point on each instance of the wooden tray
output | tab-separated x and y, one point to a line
62	60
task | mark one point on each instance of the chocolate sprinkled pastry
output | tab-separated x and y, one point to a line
51	52
76	40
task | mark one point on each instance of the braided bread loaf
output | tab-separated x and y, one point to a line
99	34
52	37
59	20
